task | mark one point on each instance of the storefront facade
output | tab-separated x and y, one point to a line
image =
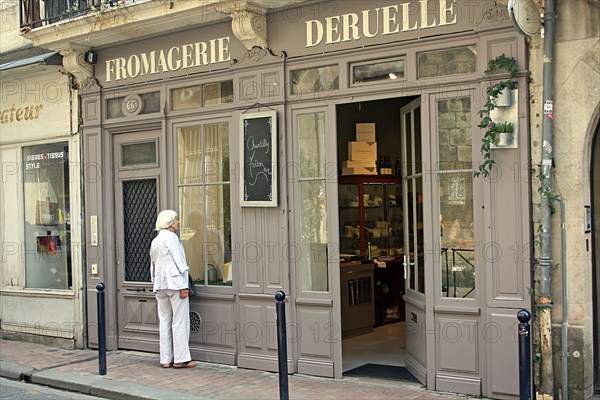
168	123
41	294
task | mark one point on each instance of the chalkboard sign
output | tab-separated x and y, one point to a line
258	152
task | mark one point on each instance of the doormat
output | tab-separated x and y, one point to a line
382	372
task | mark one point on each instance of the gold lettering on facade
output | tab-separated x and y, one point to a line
389	20
366	20
407	10
17	114
425	16
390	25
186	56
173	59
350	27
332	25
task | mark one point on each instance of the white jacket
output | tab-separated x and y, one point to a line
168	267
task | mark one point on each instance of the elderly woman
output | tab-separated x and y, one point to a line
169	273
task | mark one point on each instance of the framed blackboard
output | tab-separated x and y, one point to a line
258	152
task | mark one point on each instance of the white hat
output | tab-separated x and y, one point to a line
165	219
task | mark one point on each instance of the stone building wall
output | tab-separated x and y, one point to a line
576	105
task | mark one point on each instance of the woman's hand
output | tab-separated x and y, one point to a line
184	293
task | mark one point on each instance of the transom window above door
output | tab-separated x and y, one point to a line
208	94
378	71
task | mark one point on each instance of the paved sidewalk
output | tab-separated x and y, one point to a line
137	375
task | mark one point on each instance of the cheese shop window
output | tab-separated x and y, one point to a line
205	202
47	216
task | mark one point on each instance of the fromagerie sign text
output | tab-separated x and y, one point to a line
165	60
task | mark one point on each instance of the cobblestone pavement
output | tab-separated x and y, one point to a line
133	374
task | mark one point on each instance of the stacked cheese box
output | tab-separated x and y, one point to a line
362	153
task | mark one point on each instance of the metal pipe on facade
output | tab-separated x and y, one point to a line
83	247
565	322
545	258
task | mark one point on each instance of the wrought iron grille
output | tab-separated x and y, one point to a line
36	13
139	216
195	322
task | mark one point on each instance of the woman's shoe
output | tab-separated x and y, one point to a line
166	365
187	364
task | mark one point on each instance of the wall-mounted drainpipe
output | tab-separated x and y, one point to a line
545	259
565	323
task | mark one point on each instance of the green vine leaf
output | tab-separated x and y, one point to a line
490	136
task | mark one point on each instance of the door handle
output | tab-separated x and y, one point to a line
140	289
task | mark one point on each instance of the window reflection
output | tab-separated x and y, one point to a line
378	71
205	202
208	94
456	237
458	60
47	210
455	179
185	98
311	132
138	154
312	80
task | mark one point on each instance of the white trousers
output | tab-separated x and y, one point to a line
174	322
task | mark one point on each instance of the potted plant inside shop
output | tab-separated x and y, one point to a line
495	134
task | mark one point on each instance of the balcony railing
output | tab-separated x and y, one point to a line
37	13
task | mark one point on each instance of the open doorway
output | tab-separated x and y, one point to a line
374	229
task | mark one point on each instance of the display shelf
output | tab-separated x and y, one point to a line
371	228
370	215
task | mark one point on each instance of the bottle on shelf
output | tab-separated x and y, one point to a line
388	165
381	166
397	167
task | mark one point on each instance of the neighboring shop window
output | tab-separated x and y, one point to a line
457	60
321	79
313	201
150	103
378	71
47	216
205	202
209	94
456	198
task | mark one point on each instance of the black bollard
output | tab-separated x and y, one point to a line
101	330
524	355
282	346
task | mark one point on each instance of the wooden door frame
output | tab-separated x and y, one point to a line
156	171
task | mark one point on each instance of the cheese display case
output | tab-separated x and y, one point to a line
370	216
371	230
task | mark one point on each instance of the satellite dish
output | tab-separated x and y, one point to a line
525	17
